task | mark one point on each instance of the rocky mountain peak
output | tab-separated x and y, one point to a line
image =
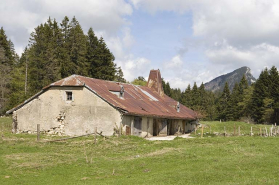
218	83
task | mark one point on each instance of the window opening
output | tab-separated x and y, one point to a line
69	96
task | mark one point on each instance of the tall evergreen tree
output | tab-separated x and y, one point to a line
104	66
244	106
274	93
233	113
119	76
92	52
223	103
67	68
78	51
195	97
7	61
166	87
259	94
186	97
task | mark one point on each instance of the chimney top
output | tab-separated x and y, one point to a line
155	81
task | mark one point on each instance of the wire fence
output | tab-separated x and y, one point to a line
236	130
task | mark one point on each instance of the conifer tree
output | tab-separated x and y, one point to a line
211	106
203	96
77	50
166	87
233	113
119	76
223	103
7	61
259	94
17	83
186	97
92	52
274	93
245	105
104	66
195	96
67	68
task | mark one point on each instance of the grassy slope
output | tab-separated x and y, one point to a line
215	160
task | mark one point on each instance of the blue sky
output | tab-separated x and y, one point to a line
188	40
159	36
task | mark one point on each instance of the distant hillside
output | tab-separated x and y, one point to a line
218	83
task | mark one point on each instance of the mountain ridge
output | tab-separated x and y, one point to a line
218	83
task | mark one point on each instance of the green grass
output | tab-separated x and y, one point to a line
133	160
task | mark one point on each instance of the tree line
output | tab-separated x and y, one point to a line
258	103
55	51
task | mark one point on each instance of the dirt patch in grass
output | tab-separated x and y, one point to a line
38	160
155	153
161	152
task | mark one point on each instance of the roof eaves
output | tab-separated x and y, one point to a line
117	108
158	116
26	101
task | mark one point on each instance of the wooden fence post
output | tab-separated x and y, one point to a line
234	130
38	132
251	131
225	131
202	131
95	136
238	130
2	130
266	133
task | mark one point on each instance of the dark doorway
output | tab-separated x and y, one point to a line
137	126
163	127
155	127
172	127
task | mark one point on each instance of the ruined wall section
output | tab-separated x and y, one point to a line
56	115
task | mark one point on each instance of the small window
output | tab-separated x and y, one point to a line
69	96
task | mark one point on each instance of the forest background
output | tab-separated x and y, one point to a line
58	50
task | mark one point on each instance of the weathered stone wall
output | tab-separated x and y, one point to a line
56	115
190	126
146	125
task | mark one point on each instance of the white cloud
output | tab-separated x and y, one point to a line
238	21
175	63
19	18
256	57
232	34
132	67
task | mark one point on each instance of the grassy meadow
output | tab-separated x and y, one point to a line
132	160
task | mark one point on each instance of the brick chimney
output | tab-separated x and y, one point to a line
155	81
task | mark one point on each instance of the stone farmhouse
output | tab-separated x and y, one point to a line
76	105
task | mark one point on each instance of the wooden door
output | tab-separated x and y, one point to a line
128	130
183	127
